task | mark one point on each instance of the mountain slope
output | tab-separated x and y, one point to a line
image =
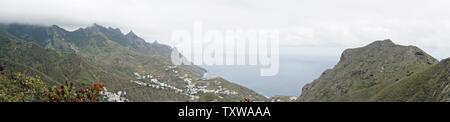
431	85
125	63
363	72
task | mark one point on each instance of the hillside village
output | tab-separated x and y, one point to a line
190	88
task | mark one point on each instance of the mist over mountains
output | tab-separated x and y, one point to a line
123	62
127	64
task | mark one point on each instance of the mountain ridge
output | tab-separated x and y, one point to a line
363	72
124	62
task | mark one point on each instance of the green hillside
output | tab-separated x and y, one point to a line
123	62
431	85
364	72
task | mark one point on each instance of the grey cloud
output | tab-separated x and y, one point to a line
343	23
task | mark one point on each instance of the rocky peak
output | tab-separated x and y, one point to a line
134	38
95	28
55	27
132	35
385	42
56	30
379	63
384	51
95	25
103	29
115	30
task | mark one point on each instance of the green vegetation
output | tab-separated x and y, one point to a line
68	93
380	71
97	53
427	86
18	87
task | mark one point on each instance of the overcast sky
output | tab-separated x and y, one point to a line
303	23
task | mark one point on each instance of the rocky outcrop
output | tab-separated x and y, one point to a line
363	72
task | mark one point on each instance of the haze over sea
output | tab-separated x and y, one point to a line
297	68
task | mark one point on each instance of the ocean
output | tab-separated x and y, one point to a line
297	68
